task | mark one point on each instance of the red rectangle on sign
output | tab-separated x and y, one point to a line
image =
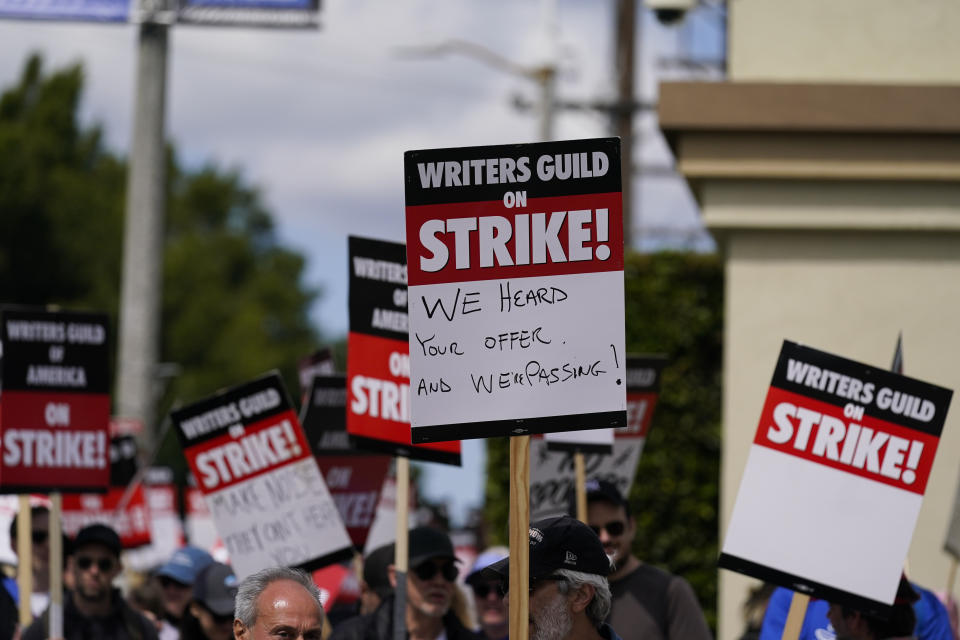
250	451
54	440
132	523
640	408
471	241
865	446
378	392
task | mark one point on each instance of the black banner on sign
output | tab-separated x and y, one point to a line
248	404
378	288
476	174
882	394
325	417
643	372
54	351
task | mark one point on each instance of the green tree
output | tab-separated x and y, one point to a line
234	303
674	305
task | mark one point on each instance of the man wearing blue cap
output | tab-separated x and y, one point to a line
176	578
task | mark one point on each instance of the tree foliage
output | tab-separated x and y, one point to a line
233	301
674	305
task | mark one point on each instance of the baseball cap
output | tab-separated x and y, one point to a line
185	563
484	560
375	570
98	534
558	543
426	543
216	589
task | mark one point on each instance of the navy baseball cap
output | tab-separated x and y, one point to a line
185	564
558	543
98	534
426	543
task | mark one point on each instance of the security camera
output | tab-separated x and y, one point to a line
670	11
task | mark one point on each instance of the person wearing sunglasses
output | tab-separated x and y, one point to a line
569	593
39	555
488	602
430	592
95	608
648	602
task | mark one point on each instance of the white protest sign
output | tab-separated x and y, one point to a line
552	472
260	480
516	307
834	480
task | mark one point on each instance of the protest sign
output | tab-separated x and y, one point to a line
132	522
589	441
78	10
835	478
318	363
353	479
378	361
516	289
251	460
552	472
55	403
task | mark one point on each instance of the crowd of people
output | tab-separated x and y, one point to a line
585	583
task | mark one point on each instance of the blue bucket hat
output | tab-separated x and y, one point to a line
184	565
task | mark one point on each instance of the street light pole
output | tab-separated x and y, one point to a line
143	237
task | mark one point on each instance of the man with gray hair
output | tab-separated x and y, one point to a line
278	602
569	593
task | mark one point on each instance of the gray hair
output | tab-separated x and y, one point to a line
599	607
245	609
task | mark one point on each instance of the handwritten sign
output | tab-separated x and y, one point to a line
55	404
516	289
354	479
835	478
378	360
264	490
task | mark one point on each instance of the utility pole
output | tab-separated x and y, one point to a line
622	116
143	237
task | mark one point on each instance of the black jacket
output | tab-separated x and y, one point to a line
379	626
121	623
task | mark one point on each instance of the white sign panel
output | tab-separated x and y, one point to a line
516	303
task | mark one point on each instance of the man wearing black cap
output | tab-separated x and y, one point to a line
851	624
376	578
430	589
648	603
569	594
95	609
209	615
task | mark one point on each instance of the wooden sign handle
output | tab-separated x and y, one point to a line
401	548
519	537
56	565
580	469
798	610
24	560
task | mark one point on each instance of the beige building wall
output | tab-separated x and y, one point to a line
838	211
880	41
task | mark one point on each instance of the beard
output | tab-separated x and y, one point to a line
553	622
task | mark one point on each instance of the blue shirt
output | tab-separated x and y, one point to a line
933	623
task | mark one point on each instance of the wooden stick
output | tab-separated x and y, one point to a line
401	555
580	469
24	560
519	537
951	576
798	609
55	617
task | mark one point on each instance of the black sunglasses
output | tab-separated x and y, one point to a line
482	590
39	536
614	527
85	562
167	581
426	570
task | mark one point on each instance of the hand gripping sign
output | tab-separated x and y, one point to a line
378	361
835	478
515	257
260	481
55	404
